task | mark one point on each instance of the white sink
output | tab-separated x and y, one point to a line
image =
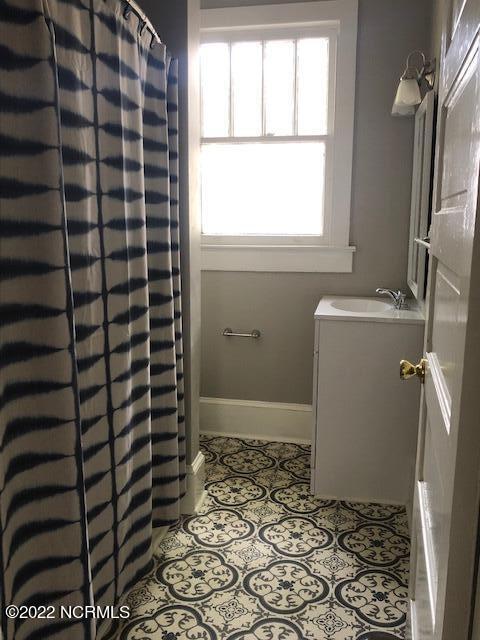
361	305
372	309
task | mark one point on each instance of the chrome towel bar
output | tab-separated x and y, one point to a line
230	333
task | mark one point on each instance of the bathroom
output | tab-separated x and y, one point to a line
239	292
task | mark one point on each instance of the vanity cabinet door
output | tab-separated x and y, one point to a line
421	197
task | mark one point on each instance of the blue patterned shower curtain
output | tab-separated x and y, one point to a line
92	432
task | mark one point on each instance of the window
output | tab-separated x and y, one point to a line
275	149
264	124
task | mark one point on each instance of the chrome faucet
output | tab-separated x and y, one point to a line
398	297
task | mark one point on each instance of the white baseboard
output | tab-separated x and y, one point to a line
158	534
277	421
196	494
359	499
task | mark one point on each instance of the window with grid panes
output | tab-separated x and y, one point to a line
277	110
265	136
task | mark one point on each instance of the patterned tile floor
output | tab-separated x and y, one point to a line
265	560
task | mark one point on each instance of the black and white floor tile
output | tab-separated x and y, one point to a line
265	560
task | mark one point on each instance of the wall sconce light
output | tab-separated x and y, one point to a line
408	95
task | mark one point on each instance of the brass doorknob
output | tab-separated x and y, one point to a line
409	370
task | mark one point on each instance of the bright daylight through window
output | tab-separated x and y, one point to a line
265	136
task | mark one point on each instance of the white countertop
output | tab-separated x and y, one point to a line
327	309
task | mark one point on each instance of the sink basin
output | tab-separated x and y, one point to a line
361	305
346	309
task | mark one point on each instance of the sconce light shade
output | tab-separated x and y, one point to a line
407	98
408	92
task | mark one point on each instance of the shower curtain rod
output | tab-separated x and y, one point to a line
143	18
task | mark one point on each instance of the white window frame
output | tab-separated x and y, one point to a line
337	20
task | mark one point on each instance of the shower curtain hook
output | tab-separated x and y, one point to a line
127	11
153	41
142	27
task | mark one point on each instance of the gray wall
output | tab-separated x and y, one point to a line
178	25
278	367
438	10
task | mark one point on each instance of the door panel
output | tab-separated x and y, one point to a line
422	625
445	328
444	523
457	115
456	148
432	499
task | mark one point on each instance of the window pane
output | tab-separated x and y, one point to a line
215	69
279	87
312	63
247	88
267	189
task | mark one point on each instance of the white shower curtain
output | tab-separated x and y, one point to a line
92	438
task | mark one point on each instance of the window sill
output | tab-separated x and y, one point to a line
271	258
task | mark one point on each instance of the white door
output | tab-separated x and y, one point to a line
446	501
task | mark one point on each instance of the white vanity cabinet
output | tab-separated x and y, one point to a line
364	417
